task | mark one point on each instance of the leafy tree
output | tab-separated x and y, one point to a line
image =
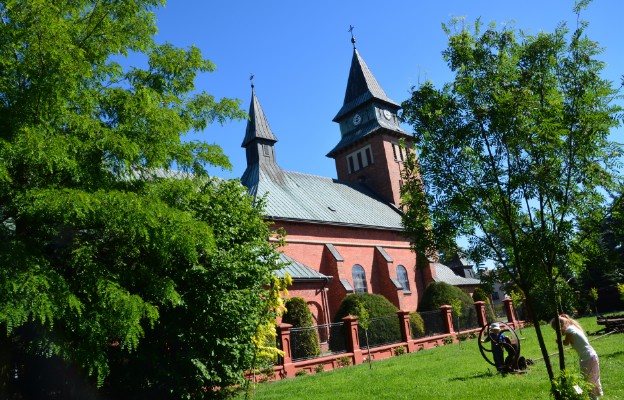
109	262
512	153
604	256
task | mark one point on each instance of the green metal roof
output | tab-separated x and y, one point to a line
308	198
299	271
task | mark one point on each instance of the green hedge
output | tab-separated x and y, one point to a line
305	343
481	295
377	306
438	294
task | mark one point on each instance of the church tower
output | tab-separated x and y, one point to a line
259	144
368	151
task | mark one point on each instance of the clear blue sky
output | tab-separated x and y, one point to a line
300	53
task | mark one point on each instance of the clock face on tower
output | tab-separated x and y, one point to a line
387	114
357	119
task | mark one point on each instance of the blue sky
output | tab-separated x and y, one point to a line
300	53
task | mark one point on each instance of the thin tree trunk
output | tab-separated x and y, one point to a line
540	339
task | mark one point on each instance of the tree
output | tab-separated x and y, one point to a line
512	153
110	262
604	260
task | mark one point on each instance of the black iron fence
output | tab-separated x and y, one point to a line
434	325
381	331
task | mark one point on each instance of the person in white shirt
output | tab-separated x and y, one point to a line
573	334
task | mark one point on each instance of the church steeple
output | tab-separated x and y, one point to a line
362	87
257	126
368	151
259	143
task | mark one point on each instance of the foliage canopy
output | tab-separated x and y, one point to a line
513	152
108	260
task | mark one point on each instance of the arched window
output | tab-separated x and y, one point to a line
359	279
402	277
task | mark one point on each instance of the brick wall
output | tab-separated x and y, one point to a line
306	243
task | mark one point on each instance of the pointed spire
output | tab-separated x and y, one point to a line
361	87
257	126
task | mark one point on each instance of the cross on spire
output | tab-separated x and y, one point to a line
251	76
351	27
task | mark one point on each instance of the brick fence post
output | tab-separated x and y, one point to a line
283	334
353	339
480	307
447	318
406	331
509	310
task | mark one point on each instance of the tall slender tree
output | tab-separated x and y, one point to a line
513	152
108	261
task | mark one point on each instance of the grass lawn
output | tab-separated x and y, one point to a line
452	372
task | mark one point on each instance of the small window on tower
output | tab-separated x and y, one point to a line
398	152
265	150
360	159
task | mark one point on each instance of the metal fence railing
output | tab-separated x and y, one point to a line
381	331
467	320
433	323
317	341
498	312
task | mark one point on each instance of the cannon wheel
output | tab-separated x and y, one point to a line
513	359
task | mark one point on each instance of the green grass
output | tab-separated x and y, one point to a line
451	372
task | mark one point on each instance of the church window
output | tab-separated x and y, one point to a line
359	279
265	150
403	279
398	152
360	159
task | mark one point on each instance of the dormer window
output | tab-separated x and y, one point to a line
359	159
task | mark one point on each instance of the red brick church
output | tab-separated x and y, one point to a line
344	235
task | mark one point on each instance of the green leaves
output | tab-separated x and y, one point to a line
514	153
150	278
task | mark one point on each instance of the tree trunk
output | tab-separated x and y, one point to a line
5	363
540	339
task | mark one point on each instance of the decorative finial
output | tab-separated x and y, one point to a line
351	27
251	76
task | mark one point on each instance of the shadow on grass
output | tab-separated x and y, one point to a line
613	355
487	374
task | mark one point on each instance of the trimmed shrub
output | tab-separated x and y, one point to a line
439	293
417	324
377	306
481	295
298	315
